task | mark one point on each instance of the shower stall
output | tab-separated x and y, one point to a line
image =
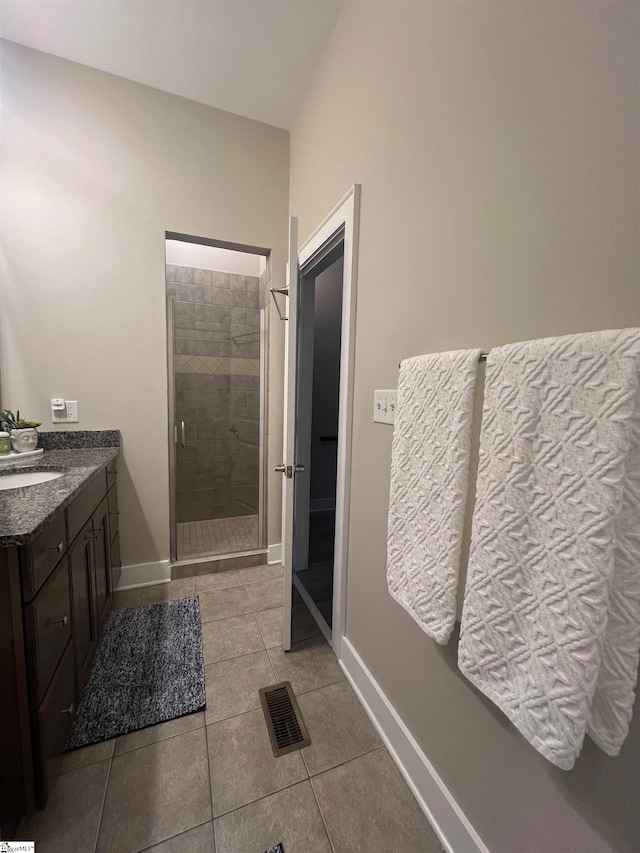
217	332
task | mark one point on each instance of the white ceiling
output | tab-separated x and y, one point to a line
254	58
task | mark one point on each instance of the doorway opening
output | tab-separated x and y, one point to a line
217	346
318	408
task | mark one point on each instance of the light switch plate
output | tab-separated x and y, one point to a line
384	406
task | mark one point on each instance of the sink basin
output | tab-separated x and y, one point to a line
19	479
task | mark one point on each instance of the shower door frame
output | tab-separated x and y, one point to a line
173	438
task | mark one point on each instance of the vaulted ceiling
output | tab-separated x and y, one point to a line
254	58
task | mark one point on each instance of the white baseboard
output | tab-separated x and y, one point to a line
144	574
274	554
442	811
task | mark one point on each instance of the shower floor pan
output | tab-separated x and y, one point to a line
217	536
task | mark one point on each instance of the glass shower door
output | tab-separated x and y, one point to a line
217	349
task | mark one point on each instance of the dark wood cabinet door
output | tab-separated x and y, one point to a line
85	635
102	563
52	722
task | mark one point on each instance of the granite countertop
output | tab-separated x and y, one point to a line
26	511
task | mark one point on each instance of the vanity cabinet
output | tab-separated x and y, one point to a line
57	595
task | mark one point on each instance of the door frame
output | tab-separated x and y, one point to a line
344	216
173	429
172	432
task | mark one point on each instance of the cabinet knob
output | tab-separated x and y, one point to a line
64	621
59	547
68	711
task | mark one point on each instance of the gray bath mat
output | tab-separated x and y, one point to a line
148	669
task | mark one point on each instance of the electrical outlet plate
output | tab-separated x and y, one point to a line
384	406
72	411
66	415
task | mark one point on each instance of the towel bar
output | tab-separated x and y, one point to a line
482	357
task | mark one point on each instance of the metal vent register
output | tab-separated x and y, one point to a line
284	720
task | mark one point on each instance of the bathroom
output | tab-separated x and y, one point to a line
497	205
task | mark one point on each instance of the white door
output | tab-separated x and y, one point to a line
344	216
288	466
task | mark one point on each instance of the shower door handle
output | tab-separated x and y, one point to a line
182	435
289	470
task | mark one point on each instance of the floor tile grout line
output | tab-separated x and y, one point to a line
161	740
245	655
264	642
263	797
104	800
89	763
206	740
346	761
233	657
306	766
171	837
273	669
322	818
207	621
233	716
313	689
226	618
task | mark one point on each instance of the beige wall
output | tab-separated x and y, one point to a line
497	148
95	169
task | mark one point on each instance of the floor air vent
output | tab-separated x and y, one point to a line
284	721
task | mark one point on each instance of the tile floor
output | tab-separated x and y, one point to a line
217	536
209	782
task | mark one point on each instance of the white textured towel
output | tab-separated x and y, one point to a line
551	618
429	478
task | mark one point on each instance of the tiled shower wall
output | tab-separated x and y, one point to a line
216	341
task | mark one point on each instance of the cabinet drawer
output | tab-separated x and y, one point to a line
53	720
39	558
83	506
48	628
114	521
